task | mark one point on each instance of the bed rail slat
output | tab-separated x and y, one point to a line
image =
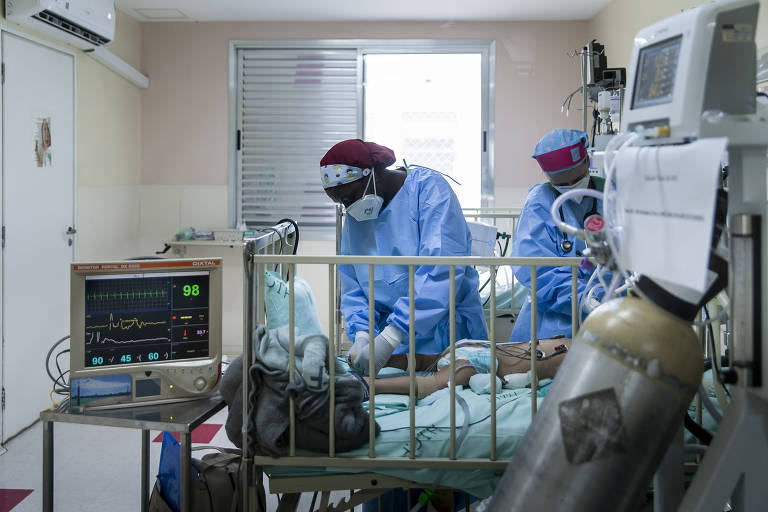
492	335
575	313
331	361
291	358
412	360
452	339
371	372
534	345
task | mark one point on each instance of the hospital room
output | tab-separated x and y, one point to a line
411	256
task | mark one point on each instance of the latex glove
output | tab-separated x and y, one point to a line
383	346
358	347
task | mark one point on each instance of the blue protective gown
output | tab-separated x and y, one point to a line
537	236
423	219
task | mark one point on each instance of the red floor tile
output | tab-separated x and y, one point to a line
202	434
9	498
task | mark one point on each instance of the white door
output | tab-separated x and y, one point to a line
38	113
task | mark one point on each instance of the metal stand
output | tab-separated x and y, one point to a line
736	463
182	417
144	469
185	501
668	482
47	465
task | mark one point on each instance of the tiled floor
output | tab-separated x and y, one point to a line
96	468
9	498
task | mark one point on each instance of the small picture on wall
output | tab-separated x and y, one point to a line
43	152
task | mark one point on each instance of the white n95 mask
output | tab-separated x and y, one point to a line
368	206
582	183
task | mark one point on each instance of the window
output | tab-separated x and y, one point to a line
291	101
428	109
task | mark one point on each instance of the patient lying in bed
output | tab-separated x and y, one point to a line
513	358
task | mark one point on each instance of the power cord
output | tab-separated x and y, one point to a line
280	237
60	382
295	229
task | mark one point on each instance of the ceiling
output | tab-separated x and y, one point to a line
360	10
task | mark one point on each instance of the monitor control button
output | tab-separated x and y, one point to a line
200	383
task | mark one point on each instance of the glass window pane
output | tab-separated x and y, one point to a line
427	108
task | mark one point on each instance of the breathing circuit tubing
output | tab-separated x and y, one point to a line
612	227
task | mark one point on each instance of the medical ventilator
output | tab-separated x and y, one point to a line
603	429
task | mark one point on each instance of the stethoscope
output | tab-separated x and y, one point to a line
566	245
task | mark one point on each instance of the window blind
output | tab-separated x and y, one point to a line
293	105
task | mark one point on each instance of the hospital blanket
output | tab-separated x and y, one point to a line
268	425
513	417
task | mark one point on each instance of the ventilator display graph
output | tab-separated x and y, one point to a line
149	317
657	70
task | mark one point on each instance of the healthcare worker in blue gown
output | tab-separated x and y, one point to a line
562	155
399	212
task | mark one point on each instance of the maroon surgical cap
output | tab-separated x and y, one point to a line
356	153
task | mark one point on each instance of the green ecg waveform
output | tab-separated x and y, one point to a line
127	295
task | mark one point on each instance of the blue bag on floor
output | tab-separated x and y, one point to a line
214	480
169	471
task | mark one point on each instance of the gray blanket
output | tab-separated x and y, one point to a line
270	390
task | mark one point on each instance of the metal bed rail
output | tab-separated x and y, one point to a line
272	240
496	216
255	315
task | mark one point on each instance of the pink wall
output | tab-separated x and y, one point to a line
184	113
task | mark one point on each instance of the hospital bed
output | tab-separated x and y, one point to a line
423	453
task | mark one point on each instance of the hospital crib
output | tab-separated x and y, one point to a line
368	475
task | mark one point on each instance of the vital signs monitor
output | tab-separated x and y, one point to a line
144	330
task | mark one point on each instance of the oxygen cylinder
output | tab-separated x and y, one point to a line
612	411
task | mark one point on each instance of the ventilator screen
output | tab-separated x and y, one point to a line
655	73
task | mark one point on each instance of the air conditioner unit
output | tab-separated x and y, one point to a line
85	24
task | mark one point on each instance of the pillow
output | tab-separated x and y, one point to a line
277	304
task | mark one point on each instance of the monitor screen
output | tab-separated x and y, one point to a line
655	73
146	317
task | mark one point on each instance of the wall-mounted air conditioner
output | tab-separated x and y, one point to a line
84	24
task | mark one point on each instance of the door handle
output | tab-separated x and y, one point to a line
70	232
